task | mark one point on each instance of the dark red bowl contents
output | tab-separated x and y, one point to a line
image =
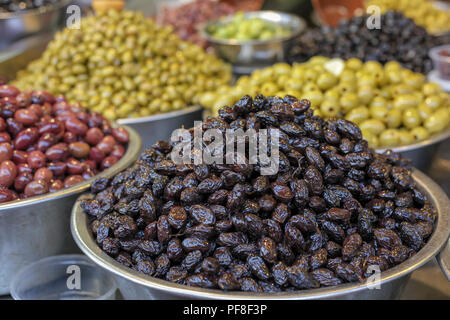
444	64
47	144
187	18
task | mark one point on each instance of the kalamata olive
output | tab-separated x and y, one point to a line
43	96
47	109
25	138
106	128
36	159
36	109
58	168
6	151
19	156
108	162
43	174
83	116
8	173
35	188
63	117
23	99
56	186
13	126
69	137
74	166
76	126
7	195
57	152
26	117
60	107
50	126
96	154
94	136
118	151
2	124
8	91
79	150
45	141
89	165
72	180
22	180
87	174
4	136
121	135
23	168
95	120
107	144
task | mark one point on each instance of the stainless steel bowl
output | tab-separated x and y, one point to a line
422	153
160	126
135	285
38	227
444	260
246	56
15	26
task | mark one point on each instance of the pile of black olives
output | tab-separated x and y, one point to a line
398	38
334	208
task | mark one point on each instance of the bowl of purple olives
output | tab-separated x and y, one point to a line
50	152
19	19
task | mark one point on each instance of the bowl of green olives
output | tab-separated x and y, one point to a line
253	40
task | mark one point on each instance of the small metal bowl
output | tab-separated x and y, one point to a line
160	126
135	285
246	56
38	227
15	26
421	153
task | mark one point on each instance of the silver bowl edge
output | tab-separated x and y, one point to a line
84	240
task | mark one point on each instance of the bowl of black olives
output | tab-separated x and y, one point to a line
19	19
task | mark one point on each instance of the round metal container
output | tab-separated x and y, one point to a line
250	55
422	153
38	227
160	126
134	285
444	260
16	26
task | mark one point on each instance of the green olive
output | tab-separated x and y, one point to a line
389	138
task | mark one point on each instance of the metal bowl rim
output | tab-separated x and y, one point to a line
436	138
85	241
299	25
133	150
159	116
37	11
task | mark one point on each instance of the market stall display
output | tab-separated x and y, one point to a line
393	105
425	13
123	65
398	38
48	144
230	227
